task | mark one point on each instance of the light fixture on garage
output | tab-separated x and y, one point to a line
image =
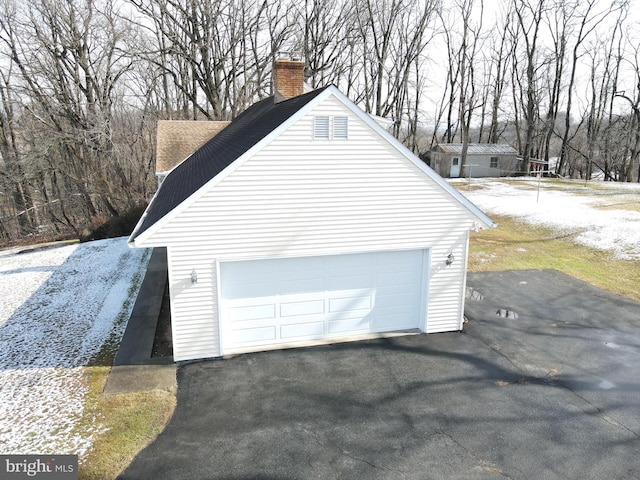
194	276
450	259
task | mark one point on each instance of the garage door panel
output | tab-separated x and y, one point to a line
300	286
310	298
400	257
254	268
250	289
302	330
295	309
399	266
299	265
361	303
385	323
395	300
349	282
255	335
390	290
348	262
394	279
252	312
349	325
394	310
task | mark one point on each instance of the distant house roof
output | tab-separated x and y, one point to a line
177	139
244	132
476	149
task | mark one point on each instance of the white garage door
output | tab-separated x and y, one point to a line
266	302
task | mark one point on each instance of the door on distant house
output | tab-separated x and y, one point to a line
455	167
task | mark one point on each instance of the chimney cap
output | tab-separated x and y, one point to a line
289	55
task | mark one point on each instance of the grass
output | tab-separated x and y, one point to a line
519	246
130	421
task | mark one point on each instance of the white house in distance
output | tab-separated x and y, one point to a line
483	160
305	221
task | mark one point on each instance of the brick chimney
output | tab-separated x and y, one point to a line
288	73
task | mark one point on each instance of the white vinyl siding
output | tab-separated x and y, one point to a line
193	320
293	200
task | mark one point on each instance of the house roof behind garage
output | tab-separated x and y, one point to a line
477	149
177	139
244	132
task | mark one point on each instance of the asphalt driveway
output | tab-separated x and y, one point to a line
551	394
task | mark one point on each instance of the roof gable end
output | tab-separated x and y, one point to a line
244	133
253	129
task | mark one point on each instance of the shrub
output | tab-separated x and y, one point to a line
113	227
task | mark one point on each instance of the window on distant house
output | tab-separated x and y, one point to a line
330	128
494	162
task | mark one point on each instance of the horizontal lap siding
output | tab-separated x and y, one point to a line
193	306
300	197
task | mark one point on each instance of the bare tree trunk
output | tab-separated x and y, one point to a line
529	30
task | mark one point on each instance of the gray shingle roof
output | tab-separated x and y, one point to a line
476	149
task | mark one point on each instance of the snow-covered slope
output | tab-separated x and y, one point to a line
603	215
58	306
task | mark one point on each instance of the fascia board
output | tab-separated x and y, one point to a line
194	197
466	203
132	241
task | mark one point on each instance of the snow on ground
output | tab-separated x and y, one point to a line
58	306
605	216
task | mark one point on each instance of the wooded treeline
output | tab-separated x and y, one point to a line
83	82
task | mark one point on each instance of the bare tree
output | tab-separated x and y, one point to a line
632	123
527	29
590	18
68	59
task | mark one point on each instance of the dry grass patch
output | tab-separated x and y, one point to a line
631	205
131	422
518	246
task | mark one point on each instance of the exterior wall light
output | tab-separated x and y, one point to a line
450	259
194	276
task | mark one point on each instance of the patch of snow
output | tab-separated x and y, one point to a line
606	385
59	306
614	230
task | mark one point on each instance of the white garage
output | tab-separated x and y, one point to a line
285	300
304	221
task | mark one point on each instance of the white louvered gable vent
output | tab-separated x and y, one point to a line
340	128
330	128
321	128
